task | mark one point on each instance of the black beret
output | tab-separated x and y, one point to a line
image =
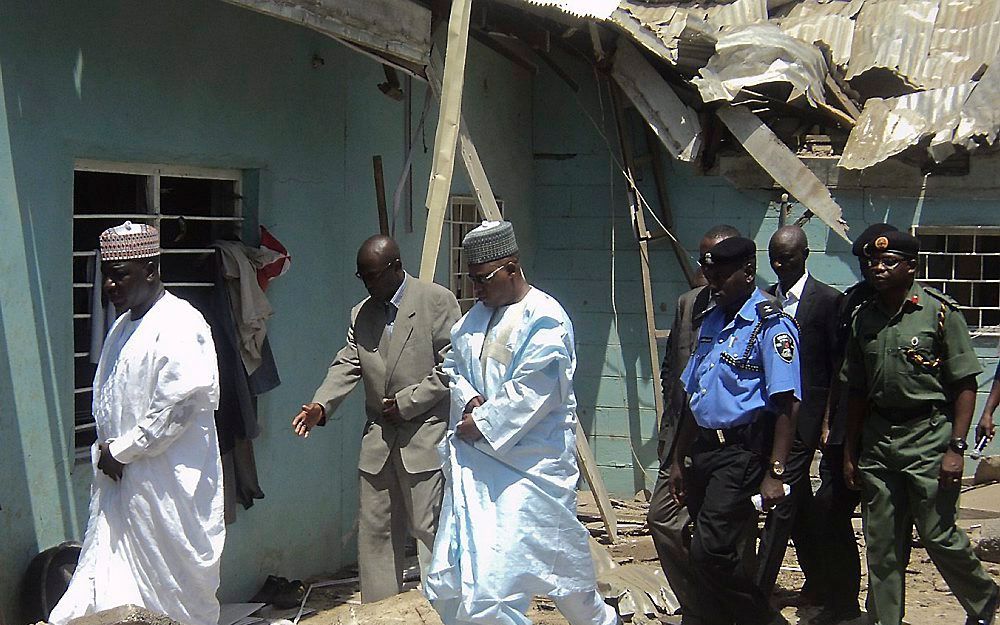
868	235
894	242
729	250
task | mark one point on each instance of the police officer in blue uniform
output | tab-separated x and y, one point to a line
744	384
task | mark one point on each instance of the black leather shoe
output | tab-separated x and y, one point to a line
289	595
271	586
988	615
833	616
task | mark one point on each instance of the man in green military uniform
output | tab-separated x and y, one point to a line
912	373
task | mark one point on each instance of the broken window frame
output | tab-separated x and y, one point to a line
184	259
463	215
976	285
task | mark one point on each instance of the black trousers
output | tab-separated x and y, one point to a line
835	571
783	521
719	485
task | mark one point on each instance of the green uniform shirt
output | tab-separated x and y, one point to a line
883	351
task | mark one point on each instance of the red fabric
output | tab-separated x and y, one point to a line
277	267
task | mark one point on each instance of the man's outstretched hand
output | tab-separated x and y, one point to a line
307	419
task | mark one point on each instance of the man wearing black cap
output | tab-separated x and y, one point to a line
834	580
912	374
667	520
744	386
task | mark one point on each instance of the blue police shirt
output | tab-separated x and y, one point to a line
729	380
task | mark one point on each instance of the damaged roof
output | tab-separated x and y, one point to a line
916	69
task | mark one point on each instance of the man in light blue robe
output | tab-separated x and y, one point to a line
508	528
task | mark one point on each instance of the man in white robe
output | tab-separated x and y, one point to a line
508	528
156	528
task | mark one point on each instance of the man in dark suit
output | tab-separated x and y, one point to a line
667	517
814	305
396	342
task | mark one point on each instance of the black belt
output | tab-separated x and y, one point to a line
756	436
724	437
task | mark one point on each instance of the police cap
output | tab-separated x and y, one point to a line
895	242
868	235
731	250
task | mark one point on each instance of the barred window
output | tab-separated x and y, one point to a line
462	217
191	207
964	262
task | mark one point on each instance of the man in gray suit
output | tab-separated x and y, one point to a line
396	342
667	517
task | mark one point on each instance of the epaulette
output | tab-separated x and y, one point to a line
944	298
769	310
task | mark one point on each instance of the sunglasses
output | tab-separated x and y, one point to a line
374	275
888	263
483	279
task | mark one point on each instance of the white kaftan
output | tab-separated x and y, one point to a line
508	527
155	537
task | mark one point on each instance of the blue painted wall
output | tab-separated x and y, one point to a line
209	84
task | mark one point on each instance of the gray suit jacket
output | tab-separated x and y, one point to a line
691	308
405	365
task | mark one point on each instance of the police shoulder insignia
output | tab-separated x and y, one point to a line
784	346
767	309
944	298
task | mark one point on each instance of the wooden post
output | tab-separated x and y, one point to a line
446	135
383	212
639	222
653	145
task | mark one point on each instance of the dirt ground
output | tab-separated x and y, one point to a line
928	600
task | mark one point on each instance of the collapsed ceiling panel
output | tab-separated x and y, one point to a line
674	123
929	43
758	54
950	116
400	28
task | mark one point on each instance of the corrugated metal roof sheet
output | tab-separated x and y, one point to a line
758	54
936	47
599	9
830	23
929	43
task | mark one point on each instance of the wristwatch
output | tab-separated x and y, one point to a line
777	469
958	445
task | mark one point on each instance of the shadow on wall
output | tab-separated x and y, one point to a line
16	525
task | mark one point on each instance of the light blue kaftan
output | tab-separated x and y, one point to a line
508	527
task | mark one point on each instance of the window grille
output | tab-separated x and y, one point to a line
964	262
191	207
462	217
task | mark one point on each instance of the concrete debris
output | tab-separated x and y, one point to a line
125	615
987	471
674	123
986	541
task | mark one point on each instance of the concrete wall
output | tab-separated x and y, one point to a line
209	84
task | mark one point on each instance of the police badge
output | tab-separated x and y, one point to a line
784	346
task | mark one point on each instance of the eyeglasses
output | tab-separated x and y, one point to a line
888	263
484	279
374	275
